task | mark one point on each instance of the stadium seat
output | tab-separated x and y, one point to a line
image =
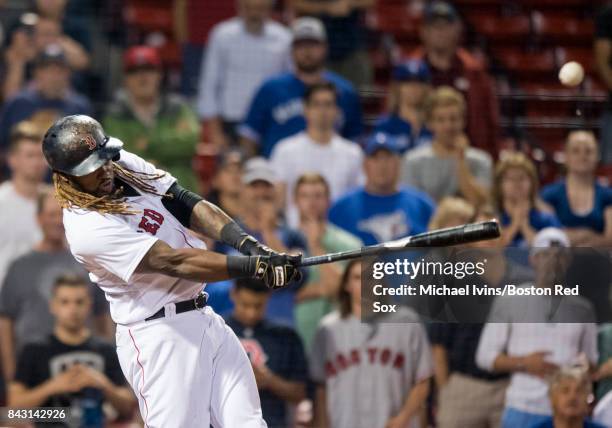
555	4
527	64
396	19
171	54
149	16
510	29
553	28
584	56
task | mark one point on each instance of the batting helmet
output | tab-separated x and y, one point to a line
76	145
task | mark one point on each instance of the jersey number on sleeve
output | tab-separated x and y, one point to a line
151	221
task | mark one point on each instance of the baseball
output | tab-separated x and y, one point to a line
571	74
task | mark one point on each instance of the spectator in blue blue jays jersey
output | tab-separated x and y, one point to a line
381	210
277	111
406	121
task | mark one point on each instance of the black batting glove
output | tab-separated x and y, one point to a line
233	235
276	270
252	247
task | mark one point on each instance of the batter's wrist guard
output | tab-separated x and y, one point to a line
243	266
233	235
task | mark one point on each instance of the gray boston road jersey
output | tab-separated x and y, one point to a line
369	369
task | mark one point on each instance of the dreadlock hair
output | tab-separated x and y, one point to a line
70	195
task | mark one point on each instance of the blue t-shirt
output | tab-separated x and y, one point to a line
29	101
549	424
397	127
277	111
282	301
219	296
375	219
537	219
555	195
281	349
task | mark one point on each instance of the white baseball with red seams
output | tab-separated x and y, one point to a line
187	369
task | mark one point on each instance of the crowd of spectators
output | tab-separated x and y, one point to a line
302	171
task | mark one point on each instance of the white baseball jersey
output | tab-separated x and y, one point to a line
111	246
369	369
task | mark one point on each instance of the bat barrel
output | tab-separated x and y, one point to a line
464	234
437	238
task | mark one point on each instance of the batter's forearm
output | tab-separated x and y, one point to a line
208	219
195	264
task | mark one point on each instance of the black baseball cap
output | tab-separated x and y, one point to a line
440	10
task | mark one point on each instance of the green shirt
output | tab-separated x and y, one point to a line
308	313
170	140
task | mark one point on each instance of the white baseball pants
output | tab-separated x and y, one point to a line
189	370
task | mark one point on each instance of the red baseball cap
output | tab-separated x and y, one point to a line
141	57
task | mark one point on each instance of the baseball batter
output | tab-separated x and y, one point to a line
128	224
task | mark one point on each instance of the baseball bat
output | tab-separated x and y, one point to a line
464	234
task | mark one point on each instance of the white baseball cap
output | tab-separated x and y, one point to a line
308	28
258	169
549	237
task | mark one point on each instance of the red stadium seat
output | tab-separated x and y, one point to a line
584	56
149	16
171	54
204	164
562	29
527	63
554	3
396	19
510	29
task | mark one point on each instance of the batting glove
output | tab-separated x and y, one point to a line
276	270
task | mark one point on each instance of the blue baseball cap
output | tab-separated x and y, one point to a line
412	70
382	141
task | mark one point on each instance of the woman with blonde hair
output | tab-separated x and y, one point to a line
515	190
451	212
